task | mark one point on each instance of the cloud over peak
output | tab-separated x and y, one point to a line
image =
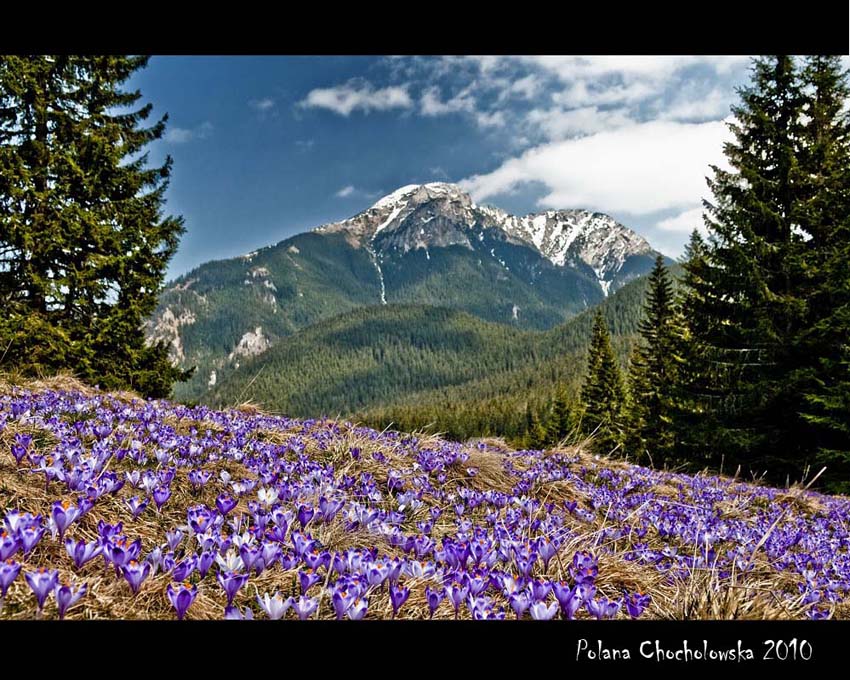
640	168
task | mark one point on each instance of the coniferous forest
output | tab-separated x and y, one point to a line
738	356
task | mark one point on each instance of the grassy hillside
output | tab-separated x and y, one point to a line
119	508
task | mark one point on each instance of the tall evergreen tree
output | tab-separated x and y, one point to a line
537	438
824	174
560	419
690	415
654	369
83	242
602	393
745	307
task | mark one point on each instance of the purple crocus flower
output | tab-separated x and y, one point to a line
174	538
341	600
308	579
305	514
252	557
8	573
231	582
107	531
547	549
137	506
154	558
377	573
67	596
636	603
199	478
271	553
520	602
200	518
315	559
81	552
398	596
136	573
541	612
9	545
116	552
434	597
30	536
585	567
161	494
19	452
358	609
540	590
457	595
184	568
603	608
205	560
275	607
43	582
225	503
182	597
63	513
305	607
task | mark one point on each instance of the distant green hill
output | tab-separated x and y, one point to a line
415	365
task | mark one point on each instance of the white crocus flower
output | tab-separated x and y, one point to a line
275	606
267	496
230	562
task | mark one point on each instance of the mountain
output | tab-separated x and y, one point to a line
422	244
417	364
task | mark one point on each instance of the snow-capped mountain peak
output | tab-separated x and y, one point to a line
439	214
570	237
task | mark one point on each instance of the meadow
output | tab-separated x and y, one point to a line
116	507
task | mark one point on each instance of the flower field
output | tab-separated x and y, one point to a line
114	507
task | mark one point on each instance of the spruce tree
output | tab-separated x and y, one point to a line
537	437
83	242
560	419
824	174
691	421
746	307
602	393
654	369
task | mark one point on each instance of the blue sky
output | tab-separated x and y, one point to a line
266	147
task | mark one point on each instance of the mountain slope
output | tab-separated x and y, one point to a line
419	364
425	244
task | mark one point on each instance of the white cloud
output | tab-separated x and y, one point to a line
697	102
629	67
558	123
357	95
585	93
685	222
262	105
528	87
431	104
600	80
639	169
490	119
178	135
345	192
